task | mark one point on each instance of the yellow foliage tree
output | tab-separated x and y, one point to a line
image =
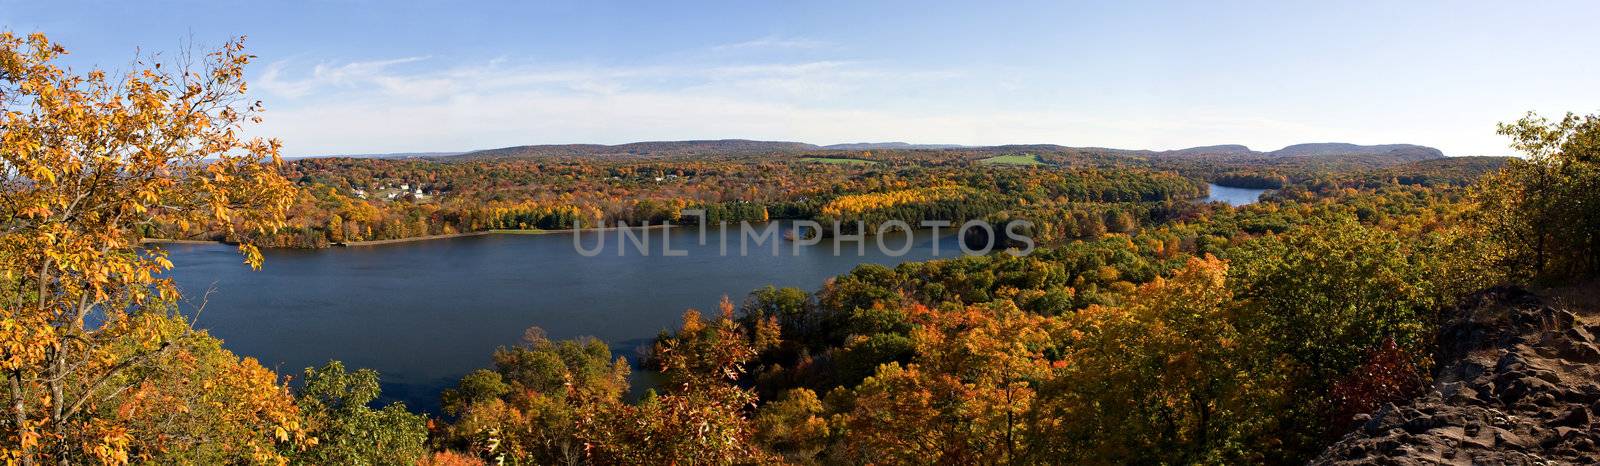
86	161
965	398
857	203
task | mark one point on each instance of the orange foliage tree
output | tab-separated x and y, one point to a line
965	398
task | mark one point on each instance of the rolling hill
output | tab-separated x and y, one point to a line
890	145
1411	151
649	148
1314	154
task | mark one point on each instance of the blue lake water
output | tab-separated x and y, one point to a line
425	313
1234	196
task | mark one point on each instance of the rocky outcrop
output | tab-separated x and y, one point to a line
1516	384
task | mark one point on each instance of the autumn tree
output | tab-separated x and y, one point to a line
701	416
194	402
1321	298
336	404
529	408
1544	210
1120	221
335	229
1164	377
85	161
964	399
795	425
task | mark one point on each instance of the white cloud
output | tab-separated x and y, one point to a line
772	42
324	75
373	105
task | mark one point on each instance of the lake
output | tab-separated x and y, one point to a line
425	313
1234	196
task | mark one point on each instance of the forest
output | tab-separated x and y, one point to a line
1073	194
346	200
1147	328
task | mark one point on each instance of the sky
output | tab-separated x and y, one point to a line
348	77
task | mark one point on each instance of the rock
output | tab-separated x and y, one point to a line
1567	433
1523	386
1580	335
1580	352
1476	443
1507	439
1577	417
1535	404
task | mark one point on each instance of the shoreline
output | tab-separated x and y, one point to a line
179	241
381	242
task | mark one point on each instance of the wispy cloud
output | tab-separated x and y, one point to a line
370	105
417	104
325	75
352	80
773	42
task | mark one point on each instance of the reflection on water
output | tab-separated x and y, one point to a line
425	313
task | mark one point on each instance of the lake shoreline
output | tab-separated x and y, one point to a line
178	241
1231	195
380	242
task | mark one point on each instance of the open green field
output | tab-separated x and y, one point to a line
1018	159
839	161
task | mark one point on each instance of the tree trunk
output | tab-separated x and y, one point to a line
19	413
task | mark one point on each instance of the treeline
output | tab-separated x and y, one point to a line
1086	184
1252	180
347	200
352	200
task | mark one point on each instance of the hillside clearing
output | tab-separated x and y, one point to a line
838	161
1017	159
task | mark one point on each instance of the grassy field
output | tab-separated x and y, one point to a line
1019	159
839	161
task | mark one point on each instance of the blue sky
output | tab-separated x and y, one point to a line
371	77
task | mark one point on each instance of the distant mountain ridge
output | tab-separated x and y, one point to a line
1217	149
391	155
1393	152
657	148
1340	148
890	145
1412	151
